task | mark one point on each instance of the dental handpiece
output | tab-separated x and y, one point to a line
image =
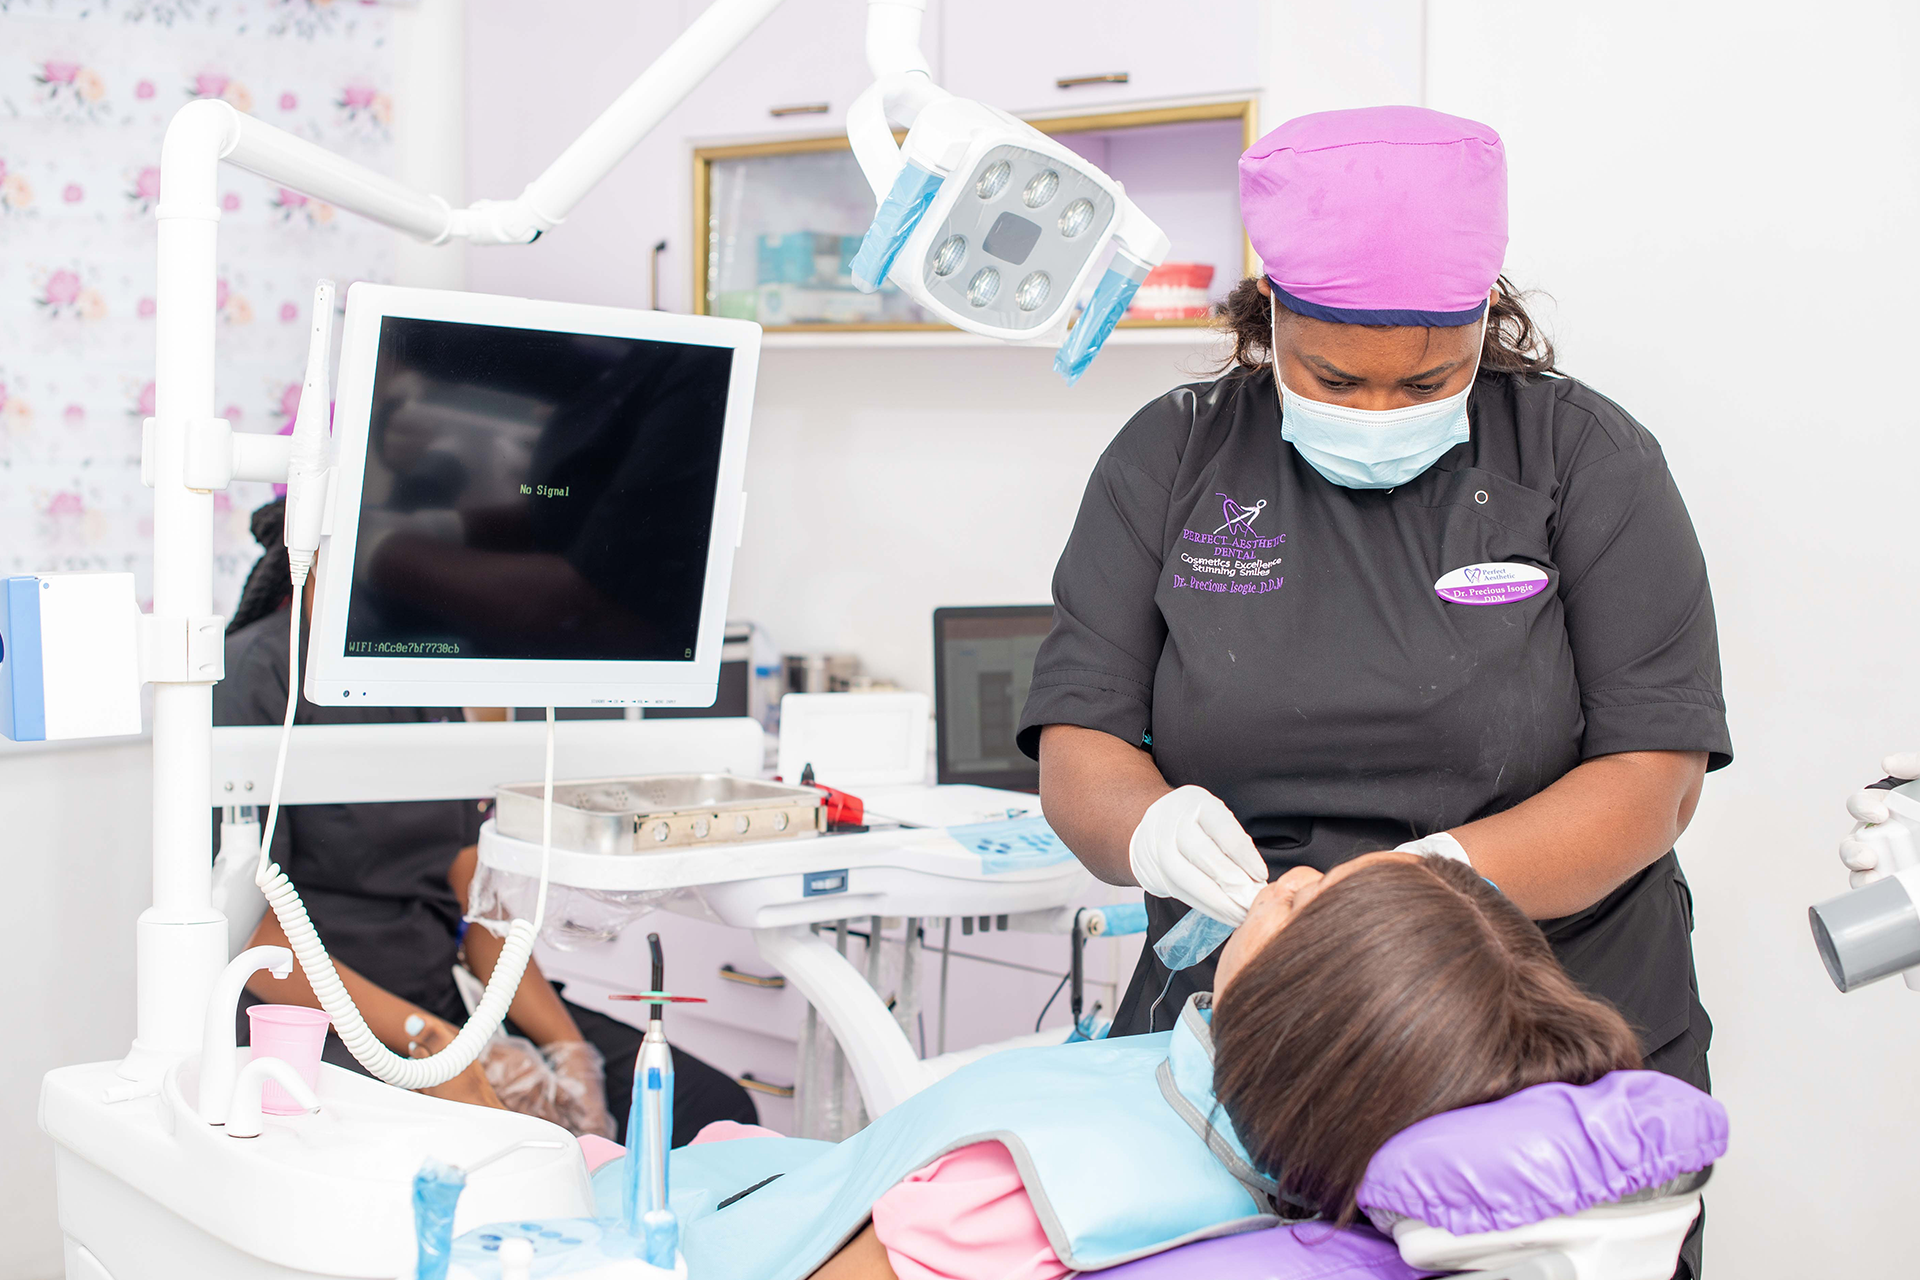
650	1133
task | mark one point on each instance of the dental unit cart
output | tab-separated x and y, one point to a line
780	889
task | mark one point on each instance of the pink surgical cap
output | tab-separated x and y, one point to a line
1382	215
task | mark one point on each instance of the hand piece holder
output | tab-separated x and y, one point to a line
650	1127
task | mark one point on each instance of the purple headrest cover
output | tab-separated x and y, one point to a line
1545	1151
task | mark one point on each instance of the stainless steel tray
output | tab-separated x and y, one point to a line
660	811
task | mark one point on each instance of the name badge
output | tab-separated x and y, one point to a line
1491	583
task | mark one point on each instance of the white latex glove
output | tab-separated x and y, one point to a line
580	1075
1190	846
1869	805
521	1078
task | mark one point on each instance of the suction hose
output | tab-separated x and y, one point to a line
406	1073
304	941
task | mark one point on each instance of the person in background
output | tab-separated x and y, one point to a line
386	885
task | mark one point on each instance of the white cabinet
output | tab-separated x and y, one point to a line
1056	56
533	83
796	74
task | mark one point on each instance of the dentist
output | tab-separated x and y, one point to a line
1391	582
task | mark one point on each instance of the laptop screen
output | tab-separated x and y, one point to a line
983	665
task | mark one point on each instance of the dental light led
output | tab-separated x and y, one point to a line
984	220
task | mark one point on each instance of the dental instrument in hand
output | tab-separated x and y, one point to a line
306	508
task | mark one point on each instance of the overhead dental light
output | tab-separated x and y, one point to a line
983	220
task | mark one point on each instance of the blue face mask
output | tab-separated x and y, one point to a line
1372	448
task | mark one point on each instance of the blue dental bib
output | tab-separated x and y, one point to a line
1121	1146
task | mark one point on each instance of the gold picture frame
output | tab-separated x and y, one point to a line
1245	110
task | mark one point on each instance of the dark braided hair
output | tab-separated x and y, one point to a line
1515	343
270	583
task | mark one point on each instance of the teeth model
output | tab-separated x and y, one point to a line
1173	291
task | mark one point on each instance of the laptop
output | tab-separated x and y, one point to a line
982	667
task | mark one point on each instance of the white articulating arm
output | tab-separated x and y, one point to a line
279	156
294	162
885	1065
674	74
893	49
893	38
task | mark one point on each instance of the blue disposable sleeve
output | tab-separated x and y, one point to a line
1193	938
1123	918
899	213
436	1190
1012	844
1109	302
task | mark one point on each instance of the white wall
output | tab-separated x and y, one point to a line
77	852
885	483
1722	200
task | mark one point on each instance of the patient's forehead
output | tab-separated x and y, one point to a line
1346	869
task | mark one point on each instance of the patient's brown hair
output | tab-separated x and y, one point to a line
1405	990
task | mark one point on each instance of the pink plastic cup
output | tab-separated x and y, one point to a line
295	1034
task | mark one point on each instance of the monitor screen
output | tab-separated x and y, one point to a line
535	494
985	660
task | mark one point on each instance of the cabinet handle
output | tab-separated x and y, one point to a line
1076	82
762	1086
801	109
771	982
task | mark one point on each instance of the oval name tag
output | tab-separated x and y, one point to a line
1491	583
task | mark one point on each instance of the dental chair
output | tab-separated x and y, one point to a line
1557	1182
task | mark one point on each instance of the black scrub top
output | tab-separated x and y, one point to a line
1278	639
373	876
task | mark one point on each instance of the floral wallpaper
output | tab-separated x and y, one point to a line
86	90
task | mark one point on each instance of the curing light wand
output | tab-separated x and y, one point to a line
650	1127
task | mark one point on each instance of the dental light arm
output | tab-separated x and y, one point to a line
1064	212
984	220
294	162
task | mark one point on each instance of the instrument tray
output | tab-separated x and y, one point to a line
661	811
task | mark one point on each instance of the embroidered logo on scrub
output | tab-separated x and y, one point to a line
1233	559
1491	584
1238	515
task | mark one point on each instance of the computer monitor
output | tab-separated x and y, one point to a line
535	503
982	667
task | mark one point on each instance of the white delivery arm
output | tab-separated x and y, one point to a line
893	38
